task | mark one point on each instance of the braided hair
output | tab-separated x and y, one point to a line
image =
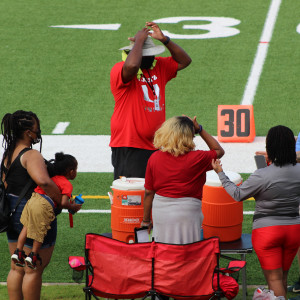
280	146
13	127
63	163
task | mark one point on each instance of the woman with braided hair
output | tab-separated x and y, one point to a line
276	220
20	131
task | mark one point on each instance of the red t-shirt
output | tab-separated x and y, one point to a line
178	177
64	185
136	114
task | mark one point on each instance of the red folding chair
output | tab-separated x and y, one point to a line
118	270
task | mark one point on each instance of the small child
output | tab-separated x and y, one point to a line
38	212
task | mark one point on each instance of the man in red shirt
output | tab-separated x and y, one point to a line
138	86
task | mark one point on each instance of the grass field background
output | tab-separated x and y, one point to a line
63	76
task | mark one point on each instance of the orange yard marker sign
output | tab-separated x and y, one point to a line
236	123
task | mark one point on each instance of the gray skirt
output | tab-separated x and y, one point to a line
176	220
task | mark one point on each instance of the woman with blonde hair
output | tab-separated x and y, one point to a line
175	176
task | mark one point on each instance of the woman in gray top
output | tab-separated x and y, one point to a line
276	221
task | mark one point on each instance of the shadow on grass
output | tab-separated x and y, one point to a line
75	292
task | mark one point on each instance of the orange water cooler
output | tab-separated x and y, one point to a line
223	216
127	207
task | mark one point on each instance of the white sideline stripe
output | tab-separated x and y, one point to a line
91	26
261	54
60	127
90	211
250	212
94	154
108	211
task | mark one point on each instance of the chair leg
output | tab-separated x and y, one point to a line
215	296
154	296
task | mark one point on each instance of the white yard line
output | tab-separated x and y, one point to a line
261	54
90	211
90	26
108	211
60	127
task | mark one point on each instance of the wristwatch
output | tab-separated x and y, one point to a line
166	42
200	129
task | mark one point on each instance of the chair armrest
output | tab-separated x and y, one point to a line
234	266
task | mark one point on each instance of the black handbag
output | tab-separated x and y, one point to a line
4	209
5	212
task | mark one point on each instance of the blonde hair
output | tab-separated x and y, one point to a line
175	136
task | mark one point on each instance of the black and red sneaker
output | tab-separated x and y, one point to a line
19	258
32	259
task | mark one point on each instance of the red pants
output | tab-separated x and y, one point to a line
276	246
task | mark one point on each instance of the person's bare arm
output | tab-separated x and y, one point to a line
35	165
217	166
65	203
178	54
148	200
210	141
134	58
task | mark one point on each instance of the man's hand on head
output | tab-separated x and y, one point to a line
141	34
156	32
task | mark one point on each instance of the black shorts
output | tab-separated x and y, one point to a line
130	162
16	226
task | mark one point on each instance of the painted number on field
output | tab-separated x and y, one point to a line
216	27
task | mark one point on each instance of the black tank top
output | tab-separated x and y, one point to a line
18	177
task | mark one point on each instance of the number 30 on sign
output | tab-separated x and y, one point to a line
236	123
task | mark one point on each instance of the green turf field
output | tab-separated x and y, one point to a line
63	75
